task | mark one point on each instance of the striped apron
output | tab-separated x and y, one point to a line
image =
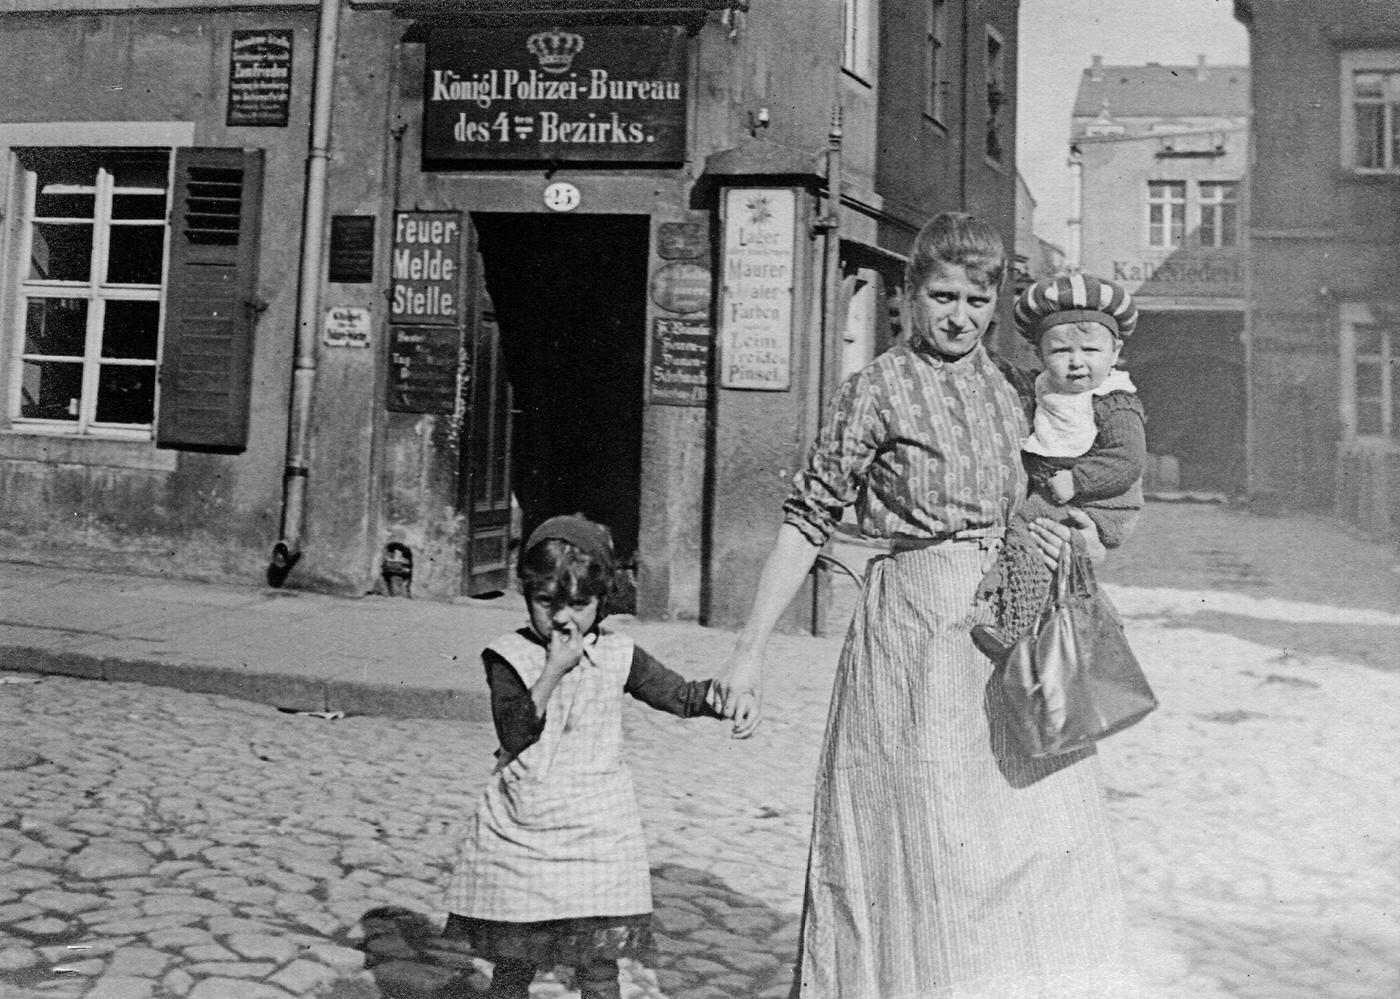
944	863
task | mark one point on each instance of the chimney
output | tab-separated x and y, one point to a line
1096	71
1200	67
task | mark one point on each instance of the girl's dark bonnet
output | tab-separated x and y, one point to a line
590	538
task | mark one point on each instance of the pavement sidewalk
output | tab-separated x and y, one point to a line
296	650
419	659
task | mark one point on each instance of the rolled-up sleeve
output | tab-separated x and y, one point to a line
845	446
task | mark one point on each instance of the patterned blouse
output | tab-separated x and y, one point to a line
923	446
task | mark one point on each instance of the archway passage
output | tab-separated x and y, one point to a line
570	298
1189	371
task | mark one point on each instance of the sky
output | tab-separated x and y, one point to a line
1059	39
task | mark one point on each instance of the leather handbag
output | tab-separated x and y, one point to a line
1073	679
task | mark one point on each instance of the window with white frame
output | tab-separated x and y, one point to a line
1219	209
936	71
995	74
93	260
1166	212
858	37
1370	94
1371	370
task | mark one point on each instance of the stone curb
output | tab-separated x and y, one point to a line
281	690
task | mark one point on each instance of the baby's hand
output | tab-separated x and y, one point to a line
1062	485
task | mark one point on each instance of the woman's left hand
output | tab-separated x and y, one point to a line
1051	536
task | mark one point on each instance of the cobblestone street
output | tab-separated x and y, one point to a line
158	843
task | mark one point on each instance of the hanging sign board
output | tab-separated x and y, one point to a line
426	269
423	363
588	94
259	77
678	372
755	315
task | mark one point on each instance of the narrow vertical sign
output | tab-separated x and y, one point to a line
755	316
260	77
425	270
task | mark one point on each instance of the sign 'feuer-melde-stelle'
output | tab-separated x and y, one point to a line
595	93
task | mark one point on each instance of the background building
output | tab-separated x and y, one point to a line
343	289
1324	296
1159	160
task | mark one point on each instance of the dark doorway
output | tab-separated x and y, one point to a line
1189	371
570	298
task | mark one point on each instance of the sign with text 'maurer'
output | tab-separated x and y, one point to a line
755	314
592	93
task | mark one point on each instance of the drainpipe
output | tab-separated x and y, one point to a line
1075	224
828	361
287	552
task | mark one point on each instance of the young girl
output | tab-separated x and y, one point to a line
553	869
1087	446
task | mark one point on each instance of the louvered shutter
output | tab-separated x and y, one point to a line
210	312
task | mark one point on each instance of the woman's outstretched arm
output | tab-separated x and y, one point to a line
787	566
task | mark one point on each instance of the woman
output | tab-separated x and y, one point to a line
945	864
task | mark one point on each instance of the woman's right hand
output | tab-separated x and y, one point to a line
743	698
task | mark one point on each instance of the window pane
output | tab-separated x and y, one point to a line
138	167
1368	381
138	206
50	390
131	330
125	394
1368	339
1368	416
136	254
55	326
1370	135
1228	224
61	252
56	202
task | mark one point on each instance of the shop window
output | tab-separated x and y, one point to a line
1371	111
997	96
936	70
108	295
1371	383
858	38
1166	213
1219	207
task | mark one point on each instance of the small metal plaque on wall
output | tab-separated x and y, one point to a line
260	77
678	372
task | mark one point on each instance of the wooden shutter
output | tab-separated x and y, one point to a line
210	312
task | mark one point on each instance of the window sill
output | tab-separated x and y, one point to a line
1351	175
62	449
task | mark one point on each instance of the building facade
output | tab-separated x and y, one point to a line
1159	163
1324	298
348	293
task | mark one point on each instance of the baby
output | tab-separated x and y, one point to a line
1088	443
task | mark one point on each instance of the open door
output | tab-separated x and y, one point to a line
484	485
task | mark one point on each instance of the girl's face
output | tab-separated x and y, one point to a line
1078	356
952	310
549	614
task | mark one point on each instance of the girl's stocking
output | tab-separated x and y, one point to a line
511	979
598	980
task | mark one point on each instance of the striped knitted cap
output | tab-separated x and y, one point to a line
1077	298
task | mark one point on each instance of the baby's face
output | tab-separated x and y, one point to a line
1078	356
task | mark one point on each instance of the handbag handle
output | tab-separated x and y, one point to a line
1075	569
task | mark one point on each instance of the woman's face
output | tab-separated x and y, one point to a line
952	311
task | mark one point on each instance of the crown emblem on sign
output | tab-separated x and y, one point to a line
555	49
